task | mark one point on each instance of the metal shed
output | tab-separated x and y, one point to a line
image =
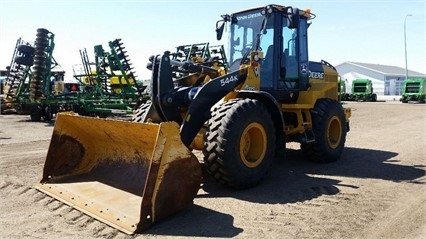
387	80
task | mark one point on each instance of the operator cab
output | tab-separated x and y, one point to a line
281	33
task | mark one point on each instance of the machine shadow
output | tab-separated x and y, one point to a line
296	179
197	221
290	180
49	123
374	164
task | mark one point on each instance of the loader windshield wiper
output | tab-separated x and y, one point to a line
256	44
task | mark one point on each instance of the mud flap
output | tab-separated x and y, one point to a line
125	174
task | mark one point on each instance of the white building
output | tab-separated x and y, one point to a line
387	80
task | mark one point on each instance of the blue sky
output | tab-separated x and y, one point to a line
360	31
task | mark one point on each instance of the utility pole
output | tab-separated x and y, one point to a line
405	44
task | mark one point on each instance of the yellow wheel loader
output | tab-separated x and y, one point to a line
132	174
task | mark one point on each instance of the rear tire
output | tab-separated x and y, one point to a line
48	114
35	113
329	126
374	97
240	143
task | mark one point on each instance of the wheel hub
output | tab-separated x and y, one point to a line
334	132
253	145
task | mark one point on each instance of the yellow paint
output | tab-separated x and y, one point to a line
130	152
253	145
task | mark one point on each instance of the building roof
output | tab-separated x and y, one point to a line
385	69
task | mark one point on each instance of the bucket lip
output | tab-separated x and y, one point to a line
122	222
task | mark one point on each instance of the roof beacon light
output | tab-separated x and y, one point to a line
307	13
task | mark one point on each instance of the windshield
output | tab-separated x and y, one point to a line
244	28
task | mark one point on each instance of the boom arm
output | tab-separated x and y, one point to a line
168	100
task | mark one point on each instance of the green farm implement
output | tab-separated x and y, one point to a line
342	89
414	90
16	82
33	87
362	90
109	86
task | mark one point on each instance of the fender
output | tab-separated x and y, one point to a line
274	108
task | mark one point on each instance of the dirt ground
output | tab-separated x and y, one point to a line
376	190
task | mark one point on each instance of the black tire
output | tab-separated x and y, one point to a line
48	114
141	112
40	60
240	143
330	128
346	97
26	50
24	60
374	97
42	31
35	113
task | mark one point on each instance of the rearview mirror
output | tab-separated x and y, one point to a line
293	17
220	25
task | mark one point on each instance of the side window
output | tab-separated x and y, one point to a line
303	45
290	58
267	39
250	37
267	46
289	42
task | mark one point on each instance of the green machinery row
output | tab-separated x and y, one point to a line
32	86
413	90
362	90
107	86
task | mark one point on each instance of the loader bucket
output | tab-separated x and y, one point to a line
125	174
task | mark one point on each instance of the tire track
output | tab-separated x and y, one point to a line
69	215
392	224
298	213
356	209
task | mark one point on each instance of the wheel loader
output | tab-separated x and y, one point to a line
132	174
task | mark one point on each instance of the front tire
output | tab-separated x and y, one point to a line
330	128
240	143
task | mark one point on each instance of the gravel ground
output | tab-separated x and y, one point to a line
376	190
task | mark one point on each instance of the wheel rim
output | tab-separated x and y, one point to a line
253	145
334	132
